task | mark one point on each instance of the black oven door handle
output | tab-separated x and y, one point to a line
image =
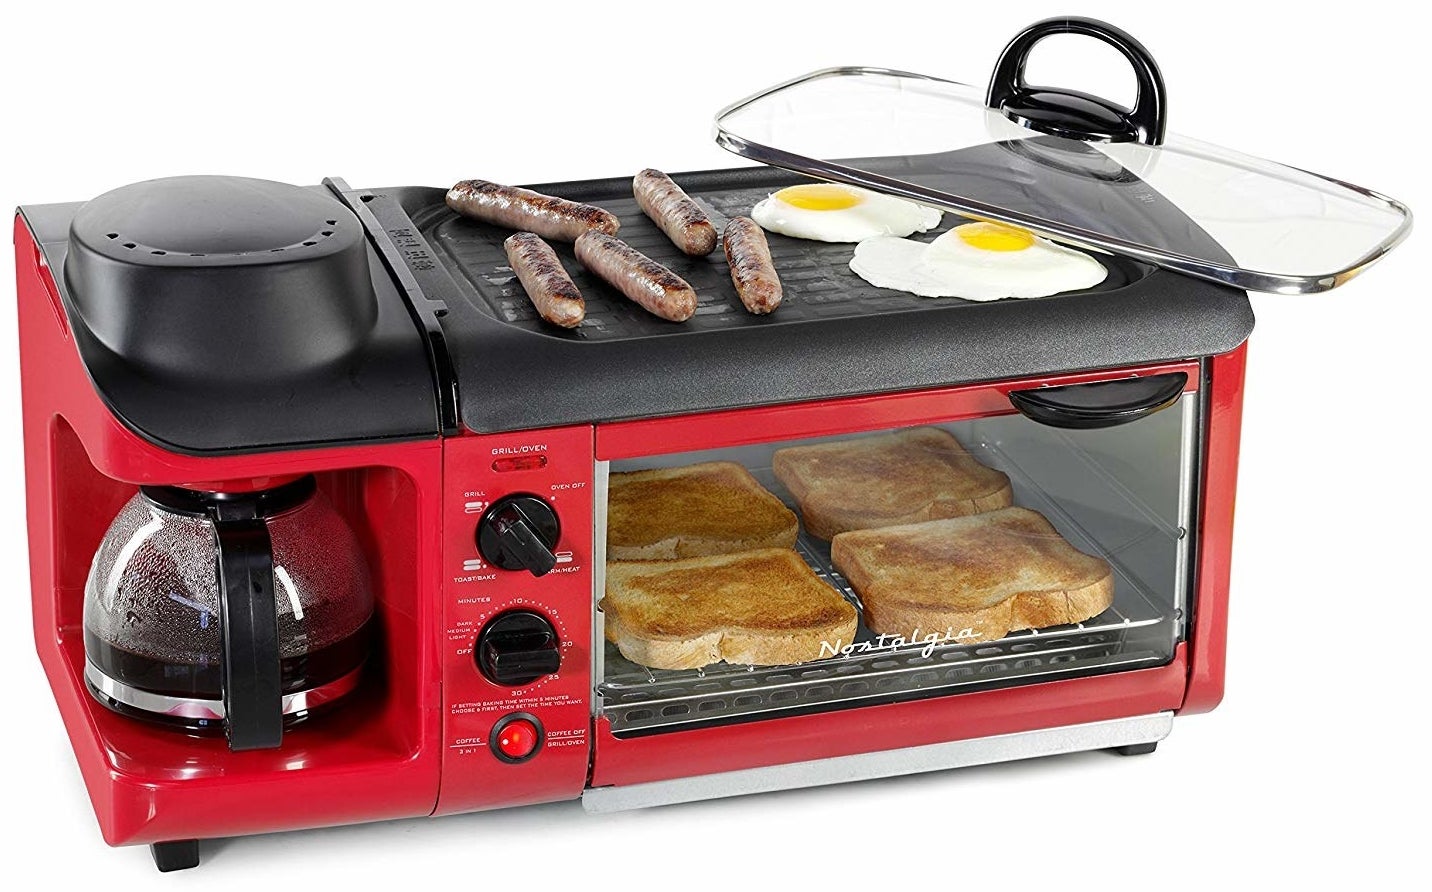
1102	404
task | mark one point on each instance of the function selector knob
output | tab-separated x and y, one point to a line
519	533
517	648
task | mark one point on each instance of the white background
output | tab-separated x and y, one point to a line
1306	770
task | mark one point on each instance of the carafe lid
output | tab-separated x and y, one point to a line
1071	166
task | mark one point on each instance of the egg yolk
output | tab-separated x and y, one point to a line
818	197
995	236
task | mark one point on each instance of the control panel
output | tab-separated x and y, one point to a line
517	551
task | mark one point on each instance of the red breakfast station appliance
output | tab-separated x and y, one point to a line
318	504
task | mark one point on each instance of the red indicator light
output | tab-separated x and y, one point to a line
520	463
517	739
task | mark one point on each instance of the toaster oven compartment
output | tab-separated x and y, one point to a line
1121	494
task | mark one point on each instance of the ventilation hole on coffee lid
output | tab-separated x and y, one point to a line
158	252
331	222
129	245
112	235
326	233
196	255
440	313
275	250
309	244
366	198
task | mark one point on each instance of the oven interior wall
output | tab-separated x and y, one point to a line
1121	493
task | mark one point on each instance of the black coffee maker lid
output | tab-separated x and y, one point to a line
221	314
202	221
188	274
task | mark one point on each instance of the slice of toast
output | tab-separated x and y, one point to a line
989	574
763	608
921	473
710	508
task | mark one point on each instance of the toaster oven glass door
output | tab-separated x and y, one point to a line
976	552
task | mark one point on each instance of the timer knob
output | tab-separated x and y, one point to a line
517	648
519	533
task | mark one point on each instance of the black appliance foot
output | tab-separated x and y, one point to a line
1136	749
181	854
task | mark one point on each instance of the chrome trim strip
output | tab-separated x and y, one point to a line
600	476
1189	460
201	708
1274	283
868	766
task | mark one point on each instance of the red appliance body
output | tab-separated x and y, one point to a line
420	740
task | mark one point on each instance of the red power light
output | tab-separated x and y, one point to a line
517	739
520	463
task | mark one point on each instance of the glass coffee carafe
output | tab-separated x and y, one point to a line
242	611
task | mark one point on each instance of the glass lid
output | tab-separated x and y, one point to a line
1071	166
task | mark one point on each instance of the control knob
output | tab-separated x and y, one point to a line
519	533
517	648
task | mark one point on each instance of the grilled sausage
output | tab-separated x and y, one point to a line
552	291
528	211
679	217
752	270
658	289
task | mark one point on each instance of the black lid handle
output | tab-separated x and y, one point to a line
252	679
1072	113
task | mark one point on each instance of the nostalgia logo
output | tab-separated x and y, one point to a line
930	640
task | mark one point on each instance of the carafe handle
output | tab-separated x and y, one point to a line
253	684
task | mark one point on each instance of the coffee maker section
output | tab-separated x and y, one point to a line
199	711
242	610
234	603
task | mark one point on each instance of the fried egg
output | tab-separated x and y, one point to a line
976	261
826	212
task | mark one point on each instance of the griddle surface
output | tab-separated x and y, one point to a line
816	276
834	336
